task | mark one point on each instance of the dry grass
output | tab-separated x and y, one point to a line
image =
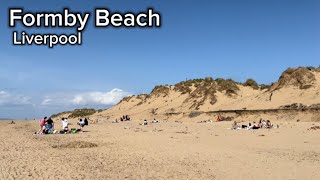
251	83
300	77
82	113
314	128
160	91
126	99
227	85
76	144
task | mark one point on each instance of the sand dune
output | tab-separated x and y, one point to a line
300	86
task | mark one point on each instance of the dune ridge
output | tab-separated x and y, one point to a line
296	88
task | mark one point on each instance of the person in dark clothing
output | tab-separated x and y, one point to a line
255	127
49	126
244	126
81	124
86	122
49	123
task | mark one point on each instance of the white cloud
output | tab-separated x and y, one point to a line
46	101
85	98
7	98
100	98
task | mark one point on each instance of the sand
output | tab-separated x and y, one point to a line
168	150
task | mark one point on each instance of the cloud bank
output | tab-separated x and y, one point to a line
12	99
21	106
103	98
86	98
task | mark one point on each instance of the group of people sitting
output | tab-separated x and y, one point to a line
123	118
145	122
266	124
47	126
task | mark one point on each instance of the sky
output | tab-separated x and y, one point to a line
236	39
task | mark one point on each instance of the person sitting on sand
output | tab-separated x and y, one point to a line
145	122
235	125
264	124
255	126
154	121
12	122
260	123
249	126
65	124
49	125
81	124
86	122
268	124
244	126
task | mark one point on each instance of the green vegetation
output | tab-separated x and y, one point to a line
301	77
160	90
264	86
205	89
100	110
227	85
82	113
252	83
77	113
185	86
60	114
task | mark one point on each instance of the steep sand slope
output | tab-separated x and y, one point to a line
299	85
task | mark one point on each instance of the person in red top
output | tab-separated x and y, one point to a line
219	118
42	125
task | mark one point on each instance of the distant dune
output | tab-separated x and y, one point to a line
200	99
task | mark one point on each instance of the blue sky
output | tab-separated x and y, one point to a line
236	39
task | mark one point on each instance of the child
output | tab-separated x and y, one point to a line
81	124
65	123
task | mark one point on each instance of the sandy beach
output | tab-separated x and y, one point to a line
168	150
160	90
